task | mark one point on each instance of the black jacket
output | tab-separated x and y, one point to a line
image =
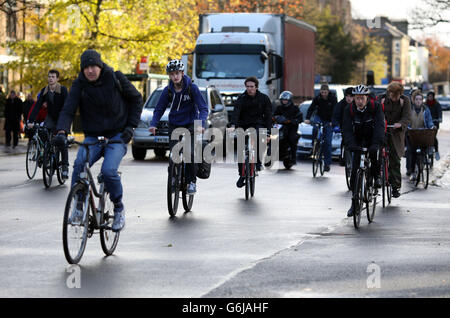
364	128
435	109
324	107
253	111
13	112
105	109
291	112
53	107
338	113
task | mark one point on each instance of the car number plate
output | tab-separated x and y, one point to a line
164	139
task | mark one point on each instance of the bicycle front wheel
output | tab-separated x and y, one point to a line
108	238
48	167
426	172
419	169
348	167
247	178
58	168
32	158
188	199
315	158
75	226
173	188
252	179
358	198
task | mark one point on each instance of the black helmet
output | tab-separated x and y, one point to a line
286	95
361	90
174	65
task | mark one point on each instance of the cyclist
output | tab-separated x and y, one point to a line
252	109
420	118
186	105
291	117
324	103
52	98
338	115
110	106
436	114
397	111
363	126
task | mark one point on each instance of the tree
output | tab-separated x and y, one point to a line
121	31
430	13
439	60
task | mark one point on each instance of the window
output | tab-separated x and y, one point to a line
397	46
397	67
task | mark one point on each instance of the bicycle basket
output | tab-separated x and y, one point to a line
420	138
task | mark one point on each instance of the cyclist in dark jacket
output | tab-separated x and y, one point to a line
436	114
110	106
324	104
252	109
363	126
292	117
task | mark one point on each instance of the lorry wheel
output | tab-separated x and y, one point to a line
160	152
138	153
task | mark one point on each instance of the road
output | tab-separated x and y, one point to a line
292	239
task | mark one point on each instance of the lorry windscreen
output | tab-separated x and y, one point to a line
229	65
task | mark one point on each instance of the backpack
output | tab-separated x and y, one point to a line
203	168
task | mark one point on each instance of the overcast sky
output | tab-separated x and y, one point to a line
398	9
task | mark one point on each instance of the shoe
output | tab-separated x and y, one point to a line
408	173
437	156
350	212
241	182
378	182
192	188
395	192
77	212
65	172
119	217
413	177
258	167
326	169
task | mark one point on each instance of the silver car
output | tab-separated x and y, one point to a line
305	143
143	140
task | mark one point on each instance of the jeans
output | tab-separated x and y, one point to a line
327	134
113	154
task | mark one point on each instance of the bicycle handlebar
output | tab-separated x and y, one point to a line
105	140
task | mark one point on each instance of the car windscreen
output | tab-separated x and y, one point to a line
304	109
154	98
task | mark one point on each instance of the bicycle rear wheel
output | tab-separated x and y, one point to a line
173	188
108	238
188	199
75	233
426	172
32	158
348	167
383	184
247	178
48	166
358	196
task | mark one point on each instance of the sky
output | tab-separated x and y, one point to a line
398	9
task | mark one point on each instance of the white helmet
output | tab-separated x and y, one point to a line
174	65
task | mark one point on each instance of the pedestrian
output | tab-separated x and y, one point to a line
27	105
436	114
397	110
323	104
110	107
13	114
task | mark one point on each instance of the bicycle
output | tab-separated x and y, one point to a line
176	182
248	167
365	193
317	152
348	162
386	186
35	151
51	163
422	139
92	217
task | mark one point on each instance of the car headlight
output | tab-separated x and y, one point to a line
142	124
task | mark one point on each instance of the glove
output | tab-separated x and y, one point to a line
336	129
60	140
127	134
280	119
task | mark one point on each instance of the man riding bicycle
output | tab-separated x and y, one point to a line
186	106
52	97
363	127
110	106
252	109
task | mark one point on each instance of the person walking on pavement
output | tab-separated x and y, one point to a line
397	111
13	114
324	104
52	97
436	114
110	106
252	109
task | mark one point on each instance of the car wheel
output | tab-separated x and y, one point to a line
139	153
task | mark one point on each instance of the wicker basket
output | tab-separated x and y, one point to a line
420	138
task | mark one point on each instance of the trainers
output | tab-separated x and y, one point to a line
258	167
192	188
395	192
408	173
77	212
119	217
65	172
437	156
350	211
413	177
326	169
241	182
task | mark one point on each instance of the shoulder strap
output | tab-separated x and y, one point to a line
117	82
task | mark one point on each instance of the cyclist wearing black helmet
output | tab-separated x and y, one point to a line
186	105
363	126
289	115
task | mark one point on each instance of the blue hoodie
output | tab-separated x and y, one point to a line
183	111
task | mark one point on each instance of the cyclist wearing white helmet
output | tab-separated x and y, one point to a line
186	105
363	126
